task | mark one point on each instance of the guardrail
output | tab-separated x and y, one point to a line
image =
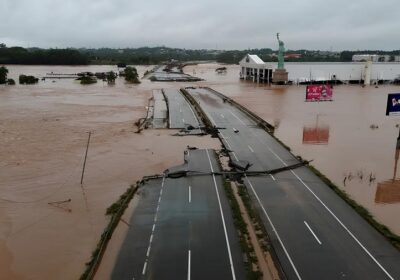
262	123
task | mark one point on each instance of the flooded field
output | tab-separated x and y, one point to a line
44	129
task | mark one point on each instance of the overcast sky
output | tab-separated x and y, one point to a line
221	24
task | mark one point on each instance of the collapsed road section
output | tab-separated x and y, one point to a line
182	228
168	73
315	233
180	112
169	108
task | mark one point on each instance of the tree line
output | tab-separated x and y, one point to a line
19	55
157	55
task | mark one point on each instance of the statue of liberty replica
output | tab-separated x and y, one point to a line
280	76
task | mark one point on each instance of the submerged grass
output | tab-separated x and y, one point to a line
243	233
116	210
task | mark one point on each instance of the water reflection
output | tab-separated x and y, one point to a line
317	134
389	191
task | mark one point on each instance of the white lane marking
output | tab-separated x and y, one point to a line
144	268
148	251
189	257
227	144
194	115
223	219
281	160
222	116
242	122
272	176
326	207
338	220
153	228
348	231
312	232
226	141
190	194
180	110
250	148
274	229
183	120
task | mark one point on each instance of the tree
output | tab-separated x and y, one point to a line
87	80
11	82
2	45
131	75
3	74
27	80
111	76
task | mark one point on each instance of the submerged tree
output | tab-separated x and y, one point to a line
131	75
87	80
3	74
111	76
10	82
27	80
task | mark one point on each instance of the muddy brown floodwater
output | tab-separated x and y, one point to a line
43	134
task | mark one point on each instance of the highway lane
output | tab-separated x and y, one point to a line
315	233
187	232
181	113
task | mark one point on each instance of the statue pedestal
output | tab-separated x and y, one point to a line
280	76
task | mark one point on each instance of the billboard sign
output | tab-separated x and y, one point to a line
319	93
393	104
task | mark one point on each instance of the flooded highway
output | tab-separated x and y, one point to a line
44	131
350	139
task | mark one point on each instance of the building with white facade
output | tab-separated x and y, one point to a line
254	68
371	57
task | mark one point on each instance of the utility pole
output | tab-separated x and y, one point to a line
84	162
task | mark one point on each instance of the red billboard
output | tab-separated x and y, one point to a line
319	93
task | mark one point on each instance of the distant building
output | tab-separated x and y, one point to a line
371	57
254	68
293	55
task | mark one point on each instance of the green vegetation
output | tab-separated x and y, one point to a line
115	210
145	55
131	75
156	55
87	80
10	82
243	234
35	56
3	75
27	80
111	76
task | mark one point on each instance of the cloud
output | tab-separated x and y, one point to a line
311	24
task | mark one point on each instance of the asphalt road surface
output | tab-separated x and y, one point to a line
182	229
315	234
181	113
173	75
